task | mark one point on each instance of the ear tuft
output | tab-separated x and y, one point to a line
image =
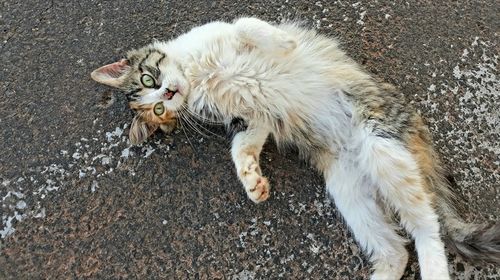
140	130
112	74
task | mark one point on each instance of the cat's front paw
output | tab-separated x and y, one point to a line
256	186
260	191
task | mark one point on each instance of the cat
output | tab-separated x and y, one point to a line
372	148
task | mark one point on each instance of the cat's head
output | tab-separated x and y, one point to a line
155	86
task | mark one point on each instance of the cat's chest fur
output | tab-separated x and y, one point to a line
295	95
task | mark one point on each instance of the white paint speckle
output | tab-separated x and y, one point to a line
465	53
106	160
116	133
149	150
41	214
94	186
125	153
241	236
9	193
244	275
21	204
310	269
474	43
8	229
314	248
361	17
456	72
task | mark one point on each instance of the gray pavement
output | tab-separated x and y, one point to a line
78	202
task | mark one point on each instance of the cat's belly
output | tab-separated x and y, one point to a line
327	125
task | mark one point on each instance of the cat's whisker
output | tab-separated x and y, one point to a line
197	125
183	130
195	128
191	125
188	124
195	121
202	118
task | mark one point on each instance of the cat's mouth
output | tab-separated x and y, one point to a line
170	94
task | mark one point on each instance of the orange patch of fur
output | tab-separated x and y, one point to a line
146	111
419	146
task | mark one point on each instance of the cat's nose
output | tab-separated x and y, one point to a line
172	88
170	93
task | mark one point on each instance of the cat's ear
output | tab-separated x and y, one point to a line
112	74
140	130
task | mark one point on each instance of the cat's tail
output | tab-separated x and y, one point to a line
475	243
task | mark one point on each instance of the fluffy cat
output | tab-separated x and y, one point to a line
298	86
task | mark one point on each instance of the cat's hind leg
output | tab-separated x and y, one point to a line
264	36
355	197
400	183
245	151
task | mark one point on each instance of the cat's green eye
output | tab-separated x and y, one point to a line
159	109
147	81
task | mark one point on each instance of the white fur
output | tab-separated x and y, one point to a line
419	218
245	151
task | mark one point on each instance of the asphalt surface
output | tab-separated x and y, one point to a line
78	202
